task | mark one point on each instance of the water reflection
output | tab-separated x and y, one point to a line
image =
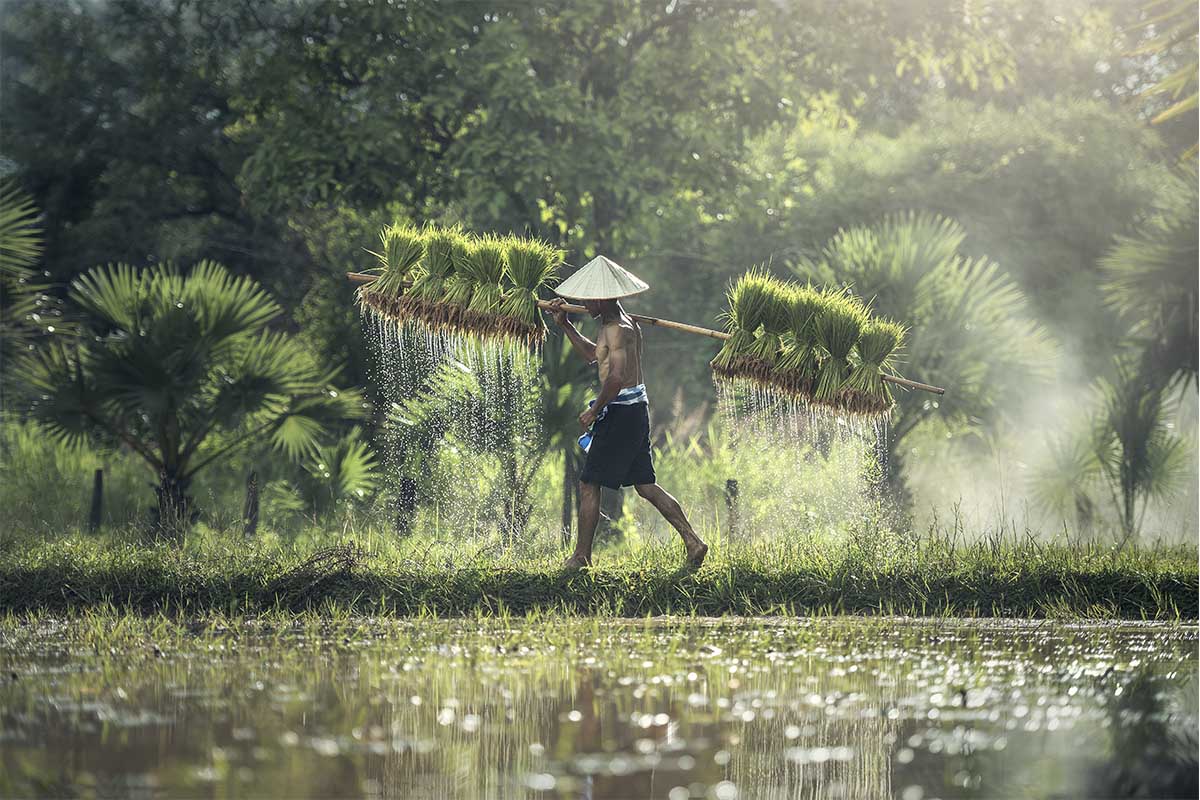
558	708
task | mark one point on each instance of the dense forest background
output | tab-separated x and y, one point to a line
994	173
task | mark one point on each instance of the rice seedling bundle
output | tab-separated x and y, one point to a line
484	265
458	286
749	298
838	328
796	367
877	349
428	280
532	265
762	353
403	249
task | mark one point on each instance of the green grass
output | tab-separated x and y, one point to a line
877	573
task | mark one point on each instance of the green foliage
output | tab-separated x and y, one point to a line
338	471
1141	458
20	234
46	484
1151	282
973	330
181	369
1173	25
28	311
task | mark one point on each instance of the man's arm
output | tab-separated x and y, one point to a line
580	343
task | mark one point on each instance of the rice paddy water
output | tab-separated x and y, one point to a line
554	707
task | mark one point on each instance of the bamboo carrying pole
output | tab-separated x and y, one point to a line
363	278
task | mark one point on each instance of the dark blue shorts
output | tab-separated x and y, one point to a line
620	451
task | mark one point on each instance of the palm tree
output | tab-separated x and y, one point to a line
27	309
1173	40
182	370
971	327
1139	455
1151	283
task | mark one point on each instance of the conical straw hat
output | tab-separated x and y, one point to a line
601	279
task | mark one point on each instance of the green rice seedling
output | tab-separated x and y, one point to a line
403	248
485	265
748	296
877	349
532	265
457	287
796	367
838	328
763	351
428	280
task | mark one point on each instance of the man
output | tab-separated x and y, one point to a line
617	422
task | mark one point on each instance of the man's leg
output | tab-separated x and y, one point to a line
589	515
669	507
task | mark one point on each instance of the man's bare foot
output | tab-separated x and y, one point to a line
696	554
575	563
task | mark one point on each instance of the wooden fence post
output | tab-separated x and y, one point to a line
731	504
250	512
97	510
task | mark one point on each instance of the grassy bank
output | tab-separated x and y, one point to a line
931	575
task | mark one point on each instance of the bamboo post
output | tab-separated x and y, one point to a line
731	503
97	509
250	512
360	278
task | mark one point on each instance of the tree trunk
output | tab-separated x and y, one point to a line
175	511
406	505
97	509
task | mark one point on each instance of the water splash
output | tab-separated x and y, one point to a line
462	429
800	467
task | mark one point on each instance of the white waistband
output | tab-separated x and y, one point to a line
631	396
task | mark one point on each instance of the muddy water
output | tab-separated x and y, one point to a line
597	709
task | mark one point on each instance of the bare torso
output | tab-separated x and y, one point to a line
621	334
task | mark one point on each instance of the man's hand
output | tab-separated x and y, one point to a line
557	313
587	418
